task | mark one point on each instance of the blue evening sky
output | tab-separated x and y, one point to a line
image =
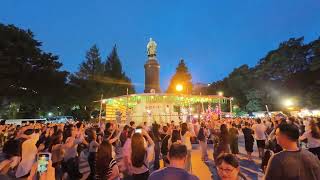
213	36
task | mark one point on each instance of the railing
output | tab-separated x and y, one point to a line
19	121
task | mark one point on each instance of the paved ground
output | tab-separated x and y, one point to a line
207	171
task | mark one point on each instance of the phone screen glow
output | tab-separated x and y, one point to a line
43	160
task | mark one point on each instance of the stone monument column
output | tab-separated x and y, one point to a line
152	67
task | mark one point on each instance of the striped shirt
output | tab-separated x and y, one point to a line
108	171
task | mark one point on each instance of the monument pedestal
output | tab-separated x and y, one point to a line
152	82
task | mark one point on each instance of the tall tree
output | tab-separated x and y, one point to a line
254	100
87	84
92	66
115	75
30	78
113	67
314	56
291	70
182	77
96	78
279	64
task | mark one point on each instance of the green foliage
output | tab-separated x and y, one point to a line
92	65
291	70
279	64
29	76
238	112
254	98
32	84
183	77
314	55
116	76
113	67
96	78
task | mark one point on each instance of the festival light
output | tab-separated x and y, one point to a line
288	103
167	98
220	93
179	87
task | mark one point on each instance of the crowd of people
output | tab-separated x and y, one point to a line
289	148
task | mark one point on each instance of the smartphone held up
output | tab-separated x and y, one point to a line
43	161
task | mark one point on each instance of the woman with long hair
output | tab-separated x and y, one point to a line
175	137
223	144
233	133
141	155
248	139
57	153
106	167
185	136
313	136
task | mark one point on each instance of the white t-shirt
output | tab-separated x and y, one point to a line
93	146
259	131
186	140
71	152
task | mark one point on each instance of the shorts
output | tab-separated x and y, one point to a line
261	143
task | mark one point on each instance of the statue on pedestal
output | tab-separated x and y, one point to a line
152	48
152	84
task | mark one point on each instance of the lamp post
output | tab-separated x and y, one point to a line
220	94
231	99
127	105
101	102
179	88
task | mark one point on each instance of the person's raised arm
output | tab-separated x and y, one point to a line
68	144
150	148
149	139
304	136
115	138
24	136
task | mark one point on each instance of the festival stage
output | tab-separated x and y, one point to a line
159	107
